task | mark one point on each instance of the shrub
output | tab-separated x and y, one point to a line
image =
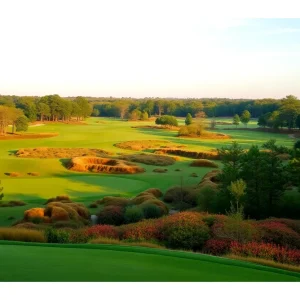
166	121
279	233
204	163
57	236
145	230
155	192
93	205
236	229
133	214
112	215
106	231
22	235
113	200
266	250
161	205
217	246
185	230
34	213
67	224
141	198
33	174
151	211
182	197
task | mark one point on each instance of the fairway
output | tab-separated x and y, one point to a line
54	179
44	262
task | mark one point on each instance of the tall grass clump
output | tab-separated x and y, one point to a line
22	235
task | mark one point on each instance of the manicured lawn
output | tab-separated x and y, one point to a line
50	262
55	179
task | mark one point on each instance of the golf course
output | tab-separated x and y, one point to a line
54	179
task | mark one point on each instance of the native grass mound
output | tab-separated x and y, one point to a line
147	145
165	127
45	152
103	165
189	153
23	136
150	159
204	163
56	212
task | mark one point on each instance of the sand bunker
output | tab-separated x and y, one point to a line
103	165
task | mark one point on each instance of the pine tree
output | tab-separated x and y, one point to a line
188	119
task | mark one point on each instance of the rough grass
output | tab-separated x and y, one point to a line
12	203
103	240
189	153
22	234
146	145
23	136
150	159
204	163
104	165
265	262
45	152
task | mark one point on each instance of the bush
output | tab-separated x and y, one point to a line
217	247
166	120
155	192
192	130
112	215
113	200
236	229
133	214
267	251
93	205
279	233
143	197
182	197
107	231
151	211
185	230
22	235
57	236
161	205
204	163
146	230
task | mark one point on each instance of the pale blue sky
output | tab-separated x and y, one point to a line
128	48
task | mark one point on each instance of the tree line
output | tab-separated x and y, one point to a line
49	107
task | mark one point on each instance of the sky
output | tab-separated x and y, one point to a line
145	49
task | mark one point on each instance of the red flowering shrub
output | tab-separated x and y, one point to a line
141	231
185	230
107	231
267	251
217	247
278	233
112	215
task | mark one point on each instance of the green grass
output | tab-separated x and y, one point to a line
53	262
55	179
